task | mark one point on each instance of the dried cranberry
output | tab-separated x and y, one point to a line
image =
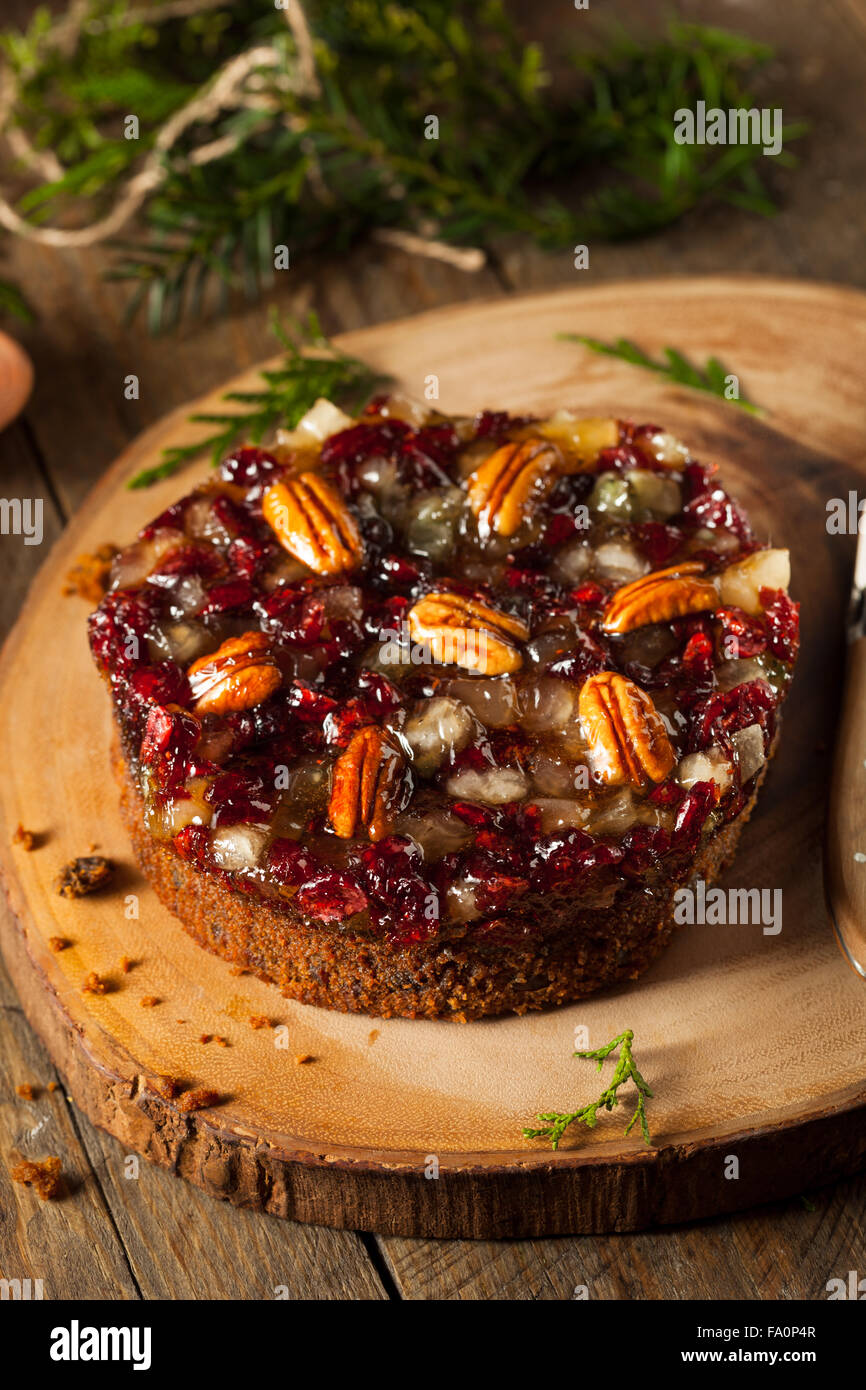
584	660
295	617
561	527
420	456
193	843
118	629
496	890
739	635
715	509
531	583
170	734
589	595
231	516
164	684
437	442
230	595
623	457
644	846
369	439
668	793
402	902
697	658
657	540
493	424
331	896
291	863
312	706
477	816
250	467
562	860
697	479
382	695
202	560
161	730
782	622
719	716
344	721
248	557
397	570
172	519
691	816
241	796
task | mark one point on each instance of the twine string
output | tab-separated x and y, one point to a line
230	89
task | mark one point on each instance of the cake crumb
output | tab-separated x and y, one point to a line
372	1035
25	838
303	1057
95	984
125	965
165	1086
52	1086
58	944
197	1099
26	1091
149	1001
44	1175
82	876
89	576
259	1021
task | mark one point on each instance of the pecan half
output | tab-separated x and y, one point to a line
503	489
239	674
659	597
468	632
628	742
366	785
312	522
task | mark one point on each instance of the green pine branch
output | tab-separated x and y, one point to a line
312	367
594	158
713	377
555	1122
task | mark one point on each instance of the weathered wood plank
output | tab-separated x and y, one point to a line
22	481
783	1251
181	1244
71	1243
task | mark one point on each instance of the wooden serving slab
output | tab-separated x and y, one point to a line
753	1044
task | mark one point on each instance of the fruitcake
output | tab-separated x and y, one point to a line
432	716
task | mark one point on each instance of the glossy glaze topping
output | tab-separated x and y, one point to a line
412	671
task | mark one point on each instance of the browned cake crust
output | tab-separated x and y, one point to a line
555	952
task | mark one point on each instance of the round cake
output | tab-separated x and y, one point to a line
433	717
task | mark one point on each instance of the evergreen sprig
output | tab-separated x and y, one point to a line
713	377
312	367
557	1122
313	170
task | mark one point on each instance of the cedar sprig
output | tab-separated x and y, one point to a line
557	1122
675	367
311	367
591	158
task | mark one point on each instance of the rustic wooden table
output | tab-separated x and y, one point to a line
117	1237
